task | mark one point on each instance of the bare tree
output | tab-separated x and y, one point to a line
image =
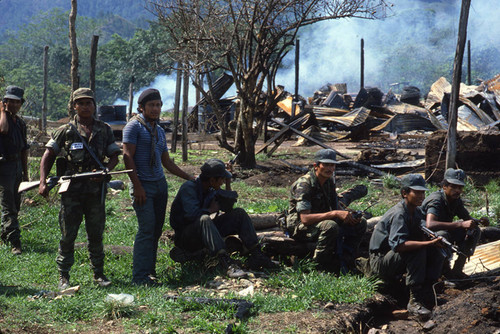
248	39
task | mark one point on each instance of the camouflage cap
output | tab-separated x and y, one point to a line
14	93
215	168
455	176
83	93
413	181
327	156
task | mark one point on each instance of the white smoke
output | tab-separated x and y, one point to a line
330	51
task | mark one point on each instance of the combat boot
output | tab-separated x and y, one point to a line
64	280
101	280
258	260
458	267
16	247
415	307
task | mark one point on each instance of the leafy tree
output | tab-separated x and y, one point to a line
247	38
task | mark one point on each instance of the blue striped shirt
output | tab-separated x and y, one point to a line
135	133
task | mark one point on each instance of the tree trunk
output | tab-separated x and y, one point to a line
93	59
247	144
45	87
74	56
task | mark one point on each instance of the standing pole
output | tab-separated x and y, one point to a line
296	97
130	97
177	101
469	78
362	65
185	91
455	87
45	88
93	57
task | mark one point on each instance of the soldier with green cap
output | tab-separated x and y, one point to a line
195	228
441	208
315	215
13	164
86	144
398	246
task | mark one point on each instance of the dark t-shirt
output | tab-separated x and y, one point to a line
437	204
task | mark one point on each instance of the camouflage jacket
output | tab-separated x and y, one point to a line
308	194
66	140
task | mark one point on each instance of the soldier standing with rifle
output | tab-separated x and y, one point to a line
85	143
13	165
441	207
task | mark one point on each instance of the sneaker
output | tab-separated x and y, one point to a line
148	283
101	280
64	281
16	248
258	260
232	269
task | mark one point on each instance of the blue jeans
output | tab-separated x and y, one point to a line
150	218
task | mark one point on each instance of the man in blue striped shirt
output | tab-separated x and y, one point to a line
145	151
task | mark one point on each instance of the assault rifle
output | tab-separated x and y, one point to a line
65	180
433	235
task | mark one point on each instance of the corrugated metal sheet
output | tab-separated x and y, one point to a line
485	258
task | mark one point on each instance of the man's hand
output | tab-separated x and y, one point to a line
347	218
214	206
139	195
468	224
43	189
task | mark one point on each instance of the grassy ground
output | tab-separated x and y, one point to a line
26	280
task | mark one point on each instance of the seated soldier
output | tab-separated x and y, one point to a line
195	229
441	207
397	246
314	215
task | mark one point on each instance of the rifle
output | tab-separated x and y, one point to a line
433	235
65	180
233	160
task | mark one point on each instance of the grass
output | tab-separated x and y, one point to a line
25	279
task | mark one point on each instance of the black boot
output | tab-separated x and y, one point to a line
258	260
415	306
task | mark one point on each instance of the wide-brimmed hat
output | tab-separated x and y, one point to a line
215	168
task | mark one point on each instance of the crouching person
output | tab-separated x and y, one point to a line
195	229
397	246
315	215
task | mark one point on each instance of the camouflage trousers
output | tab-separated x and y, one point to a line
10	178
334	243
74	206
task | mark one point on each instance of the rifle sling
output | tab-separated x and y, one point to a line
92	154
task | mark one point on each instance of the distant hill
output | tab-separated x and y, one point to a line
15	13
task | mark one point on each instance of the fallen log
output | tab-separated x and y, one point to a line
263	221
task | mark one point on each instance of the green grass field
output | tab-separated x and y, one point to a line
26	280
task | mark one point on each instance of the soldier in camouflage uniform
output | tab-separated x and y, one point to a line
85	197
314	215
13	164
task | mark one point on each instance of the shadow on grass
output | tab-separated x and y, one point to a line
16	291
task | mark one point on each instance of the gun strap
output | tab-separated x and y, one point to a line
92	154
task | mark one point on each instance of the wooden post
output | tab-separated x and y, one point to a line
177	100
296	96
130	97
469	79
455	87
185	92
45	88
93	56
362	67
75	81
